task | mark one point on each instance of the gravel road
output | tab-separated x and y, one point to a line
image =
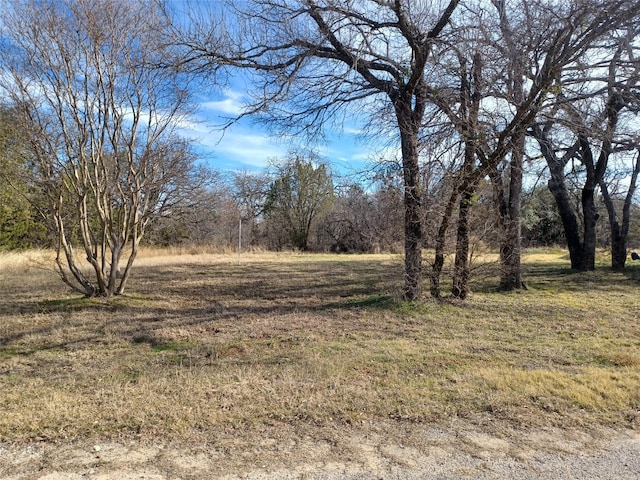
389	453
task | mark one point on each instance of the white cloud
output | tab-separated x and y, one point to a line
352	130
246	145
238	145
241	144
232	104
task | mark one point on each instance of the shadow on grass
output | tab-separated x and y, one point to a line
378	301
186	296
632	272
215	297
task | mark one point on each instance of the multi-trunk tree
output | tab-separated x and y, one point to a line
496	77
590	124
99	118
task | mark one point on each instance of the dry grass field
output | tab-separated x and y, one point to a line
203	349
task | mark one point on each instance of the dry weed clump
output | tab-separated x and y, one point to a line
18	262
202	344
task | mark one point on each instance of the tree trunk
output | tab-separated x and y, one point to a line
590	218
558	188
412	232
510	250
618	247
461	269
127	269
412	203
470	96
619	231
438	262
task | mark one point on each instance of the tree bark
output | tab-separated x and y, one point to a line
470	97
509	207
620	230
558	188
441	238
461	268
412	201
510	250
590	218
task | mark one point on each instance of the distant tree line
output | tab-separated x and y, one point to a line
299	204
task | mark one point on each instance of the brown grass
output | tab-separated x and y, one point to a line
201	344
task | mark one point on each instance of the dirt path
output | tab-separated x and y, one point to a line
375	452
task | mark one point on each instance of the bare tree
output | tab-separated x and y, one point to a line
194	218
517	61
315	58
620	218
348	225
100	121
251	191
584	130
507	183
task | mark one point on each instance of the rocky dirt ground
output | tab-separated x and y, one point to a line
458	450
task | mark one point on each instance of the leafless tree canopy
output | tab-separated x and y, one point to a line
100	119
488	69
313	59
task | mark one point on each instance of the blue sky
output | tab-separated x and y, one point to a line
247	145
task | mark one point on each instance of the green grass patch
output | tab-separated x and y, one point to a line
375	301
